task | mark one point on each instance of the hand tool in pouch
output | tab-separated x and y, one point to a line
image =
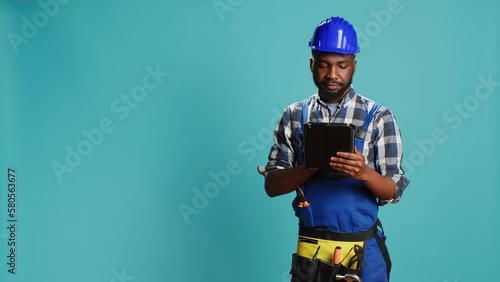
336	255
306	215
302	198
348	278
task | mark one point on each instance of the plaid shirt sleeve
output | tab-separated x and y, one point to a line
282	154
388	152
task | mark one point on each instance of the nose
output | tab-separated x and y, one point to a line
332	73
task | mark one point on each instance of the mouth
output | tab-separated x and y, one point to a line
333	86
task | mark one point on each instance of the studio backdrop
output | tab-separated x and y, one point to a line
131	132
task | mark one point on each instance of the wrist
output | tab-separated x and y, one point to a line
367	175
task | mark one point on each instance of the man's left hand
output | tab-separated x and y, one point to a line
352	164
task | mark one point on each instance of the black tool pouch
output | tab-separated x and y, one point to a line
315	270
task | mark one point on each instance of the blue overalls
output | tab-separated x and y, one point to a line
345	205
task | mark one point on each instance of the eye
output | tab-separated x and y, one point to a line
342	67
321	65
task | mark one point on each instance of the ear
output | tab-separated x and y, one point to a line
311	62
355	62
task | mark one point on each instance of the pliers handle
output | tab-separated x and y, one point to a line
302	199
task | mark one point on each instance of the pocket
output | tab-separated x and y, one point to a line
327	272
306	217
303	269
315	270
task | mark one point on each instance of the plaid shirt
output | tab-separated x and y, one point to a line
383	149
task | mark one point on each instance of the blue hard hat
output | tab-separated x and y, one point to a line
335	35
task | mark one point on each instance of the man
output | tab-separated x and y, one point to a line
338	212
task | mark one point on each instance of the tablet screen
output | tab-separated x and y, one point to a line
324	140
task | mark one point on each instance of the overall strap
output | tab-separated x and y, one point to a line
304	117
305	103
304	120
361	132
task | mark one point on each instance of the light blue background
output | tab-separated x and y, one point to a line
229	74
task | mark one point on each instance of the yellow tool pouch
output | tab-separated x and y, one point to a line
314	260
314	248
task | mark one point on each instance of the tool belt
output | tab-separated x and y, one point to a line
316	261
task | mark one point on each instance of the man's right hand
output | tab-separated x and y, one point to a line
284	181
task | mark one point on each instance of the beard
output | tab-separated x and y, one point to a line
327	95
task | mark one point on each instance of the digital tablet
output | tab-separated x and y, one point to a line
324	140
